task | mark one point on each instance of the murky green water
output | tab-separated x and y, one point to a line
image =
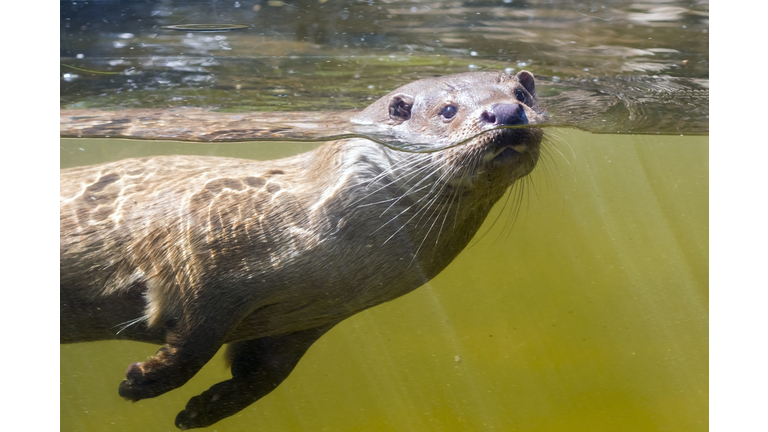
588	311
590	314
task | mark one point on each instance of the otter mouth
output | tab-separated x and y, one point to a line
507	155
509	145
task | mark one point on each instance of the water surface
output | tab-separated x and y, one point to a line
613	67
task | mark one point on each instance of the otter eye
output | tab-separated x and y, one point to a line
519	95
448	111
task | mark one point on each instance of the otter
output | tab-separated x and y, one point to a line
193	252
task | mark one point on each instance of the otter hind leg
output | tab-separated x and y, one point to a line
258	367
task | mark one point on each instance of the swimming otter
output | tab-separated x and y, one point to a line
194	252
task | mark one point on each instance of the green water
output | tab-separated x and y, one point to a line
589	314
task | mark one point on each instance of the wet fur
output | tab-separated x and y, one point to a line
193	252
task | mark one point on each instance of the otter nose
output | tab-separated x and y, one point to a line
505	115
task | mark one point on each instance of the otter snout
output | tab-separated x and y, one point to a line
505	115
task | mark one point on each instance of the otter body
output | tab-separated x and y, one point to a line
194	252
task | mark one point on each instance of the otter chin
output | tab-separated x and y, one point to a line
194	252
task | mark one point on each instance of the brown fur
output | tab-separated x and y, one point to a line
194	252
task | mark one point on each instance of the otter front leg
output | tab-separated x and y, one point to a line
190	344
258	366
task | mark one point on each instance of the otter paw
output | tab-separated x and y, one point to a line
197	413
136	386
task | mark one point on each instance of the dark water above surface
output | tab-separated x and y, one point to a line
608	67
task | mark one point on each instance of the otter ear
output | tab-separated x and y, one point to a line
400	107
526	79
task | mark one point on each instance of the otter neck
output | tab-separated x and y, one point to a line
419	202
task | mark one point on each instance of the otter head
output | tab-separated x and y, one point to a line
492	110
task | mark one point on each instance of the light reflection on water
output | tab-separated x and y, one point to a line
325	56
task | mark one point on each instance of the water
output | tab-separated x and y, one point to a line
618	67
589	314
587	311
